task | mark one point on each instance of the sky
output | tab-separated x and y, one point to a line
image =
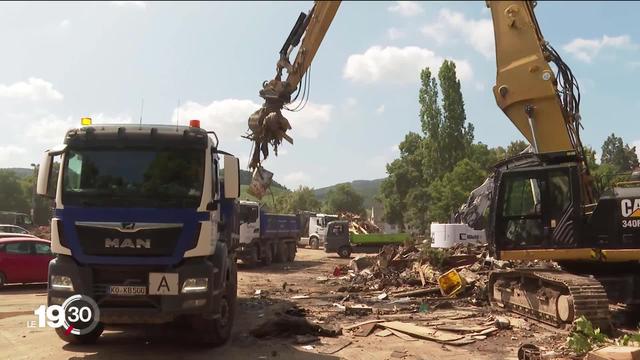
207	61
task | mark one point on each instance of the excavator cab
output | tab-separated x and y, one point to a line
537	208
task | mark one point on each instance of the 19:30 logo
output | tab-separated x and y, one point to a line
78	315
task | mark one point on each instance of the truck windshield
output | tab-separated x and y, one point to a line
134	177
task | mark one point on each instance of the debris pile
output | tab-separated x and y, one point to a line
412	272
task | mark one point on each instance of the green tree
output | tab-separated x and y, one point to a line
343	198
300	199
481	155
12	194
515	148
456	134
448	193
615	152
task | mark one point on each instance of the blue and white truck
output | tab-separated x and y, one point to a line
145	226
266	237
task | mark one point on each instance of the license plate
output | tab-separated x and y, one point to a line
127	290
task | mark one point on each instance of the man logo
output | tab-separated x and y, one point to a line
127	243
630	208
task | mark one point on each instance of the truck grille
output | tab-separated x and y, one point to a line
103	241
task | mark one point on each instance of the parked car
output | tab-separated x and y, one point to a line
24	260
4	235
14	229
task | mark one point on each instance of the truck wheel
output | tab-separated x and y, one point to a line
215	332
344	251
315	243
267	256
86	339
282	252
291	253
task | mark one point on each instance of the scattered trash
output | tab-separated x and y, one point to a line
308	347
358	310
529	352
502	323
365	330
383	296
285	325
322	279
424	308
451	283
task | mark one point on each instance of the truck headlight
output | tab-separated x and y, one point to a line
62	283
195	285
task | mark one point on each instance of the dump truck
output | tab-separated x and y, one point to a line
314	228
266	237
144	226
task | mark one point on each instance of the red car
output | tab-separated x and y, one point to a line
24	260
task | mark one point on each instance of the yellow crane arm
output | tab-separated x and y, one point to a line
543	107
268	126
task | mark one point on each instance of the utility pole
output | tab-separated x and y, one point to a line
33	192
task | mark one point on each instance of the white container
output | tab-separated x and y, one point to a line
447	235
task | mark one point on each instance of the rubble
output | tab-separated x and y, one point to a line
285	325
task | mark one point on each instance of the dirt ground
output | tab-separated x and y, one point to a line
277	284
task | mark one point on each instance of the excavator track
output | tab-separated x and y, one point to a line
551	296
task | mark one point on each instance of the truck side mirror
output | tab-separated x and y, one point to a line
44	175
45	170
231	177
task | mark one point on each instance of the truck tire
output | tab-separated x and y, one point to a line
291	252
86	339
216	332
314	242
282	252
344	251
267	255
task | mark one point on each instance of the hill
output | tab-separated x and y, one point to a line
22	173
368	189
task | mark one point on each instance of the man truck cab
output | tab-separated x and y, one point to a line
143	225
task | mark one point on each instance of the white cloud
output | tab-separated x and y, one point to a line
292	180
406	8
50	130
351	102
133	4
228	118
309	122
587	49
64	24
397	65
33	89
395	34
11	156
380	109
451	25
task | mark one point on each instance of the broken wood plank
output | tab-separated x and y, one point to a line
365	330
334	348
421	331
419	292
615	353
488	331
402	335
463	329
460	342
349	327
384	333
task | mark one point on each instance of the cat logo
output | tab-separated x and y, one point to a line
630	208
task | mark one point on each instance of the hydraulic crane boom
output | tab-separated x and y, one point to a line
268	125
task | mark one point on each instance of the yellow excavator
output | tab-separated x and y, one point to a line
541	204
